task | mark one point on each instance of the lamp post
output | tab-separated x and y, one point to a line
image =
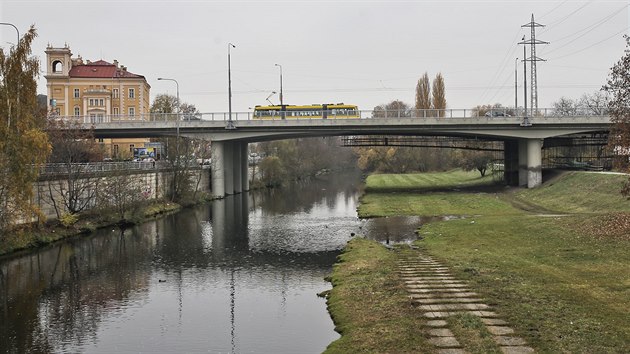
515	85
16	29
178	113
230	125
281	96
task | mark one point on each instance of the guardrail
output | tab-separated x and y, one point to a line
94	167
493	114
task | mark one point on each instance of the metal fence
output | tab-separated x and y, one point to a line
492	114
98	167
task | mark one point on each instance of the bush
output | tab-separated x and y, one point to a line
68	219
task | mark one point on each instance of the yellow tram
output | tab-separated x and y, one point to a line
315	111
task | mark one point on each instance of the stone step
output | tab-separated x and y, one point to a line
430	301
440	295
435	286
440	290
445	314
444	342
471	306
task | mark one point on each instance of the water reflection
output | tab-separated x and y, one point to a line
236	275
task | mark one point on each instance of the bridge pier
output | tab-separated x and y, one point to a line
229	168
522	162
534	162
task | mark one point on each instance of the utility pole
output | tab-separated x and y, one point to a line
533	59
515	86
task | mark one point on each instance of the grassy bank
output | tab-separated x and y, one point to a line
562	282
369	304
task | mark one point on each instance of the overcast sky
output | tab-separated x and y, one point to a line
361	52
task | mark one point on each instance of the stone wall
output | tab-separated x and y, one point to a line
154	185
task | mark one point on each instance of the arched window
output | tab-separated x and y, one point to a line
77	111
57	66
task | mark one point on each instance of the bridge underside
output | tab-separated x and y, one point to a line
522	165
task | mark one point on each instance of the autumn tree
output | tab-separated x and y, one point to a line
23	142
423	93
439	95
618	87
394	109
164	103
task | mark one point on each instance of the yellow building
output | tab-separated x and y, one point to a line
95	92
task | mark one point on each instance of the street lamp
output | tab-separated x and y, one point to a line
515	86
16	29
281	97
178	113
230	125
282	109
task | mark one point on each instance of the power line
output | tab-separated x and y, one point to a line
587	29
592	45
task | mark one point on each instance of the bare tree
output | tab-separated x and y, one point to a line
123	194
595	103
73	149
565	107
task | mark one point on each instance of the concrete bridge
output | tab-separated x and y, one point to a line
523	135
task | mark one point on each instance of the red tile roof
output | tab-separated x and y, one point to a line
101	69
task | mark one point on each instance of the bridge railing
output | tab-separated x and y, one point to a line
494	114
94	167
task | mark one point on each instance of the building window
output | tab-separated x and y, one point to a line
116	111
57	66
132	93
77	111
115	93
76	93
115	153
132	111
131	146
101	102
91	102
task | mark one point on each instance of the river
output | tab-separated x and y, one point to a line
236	275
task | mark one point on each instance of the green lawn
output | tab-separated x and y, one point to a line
561	289
420	182
561	281
580	192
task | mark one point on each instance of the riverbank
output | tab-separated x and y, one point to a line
553	261
29	237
